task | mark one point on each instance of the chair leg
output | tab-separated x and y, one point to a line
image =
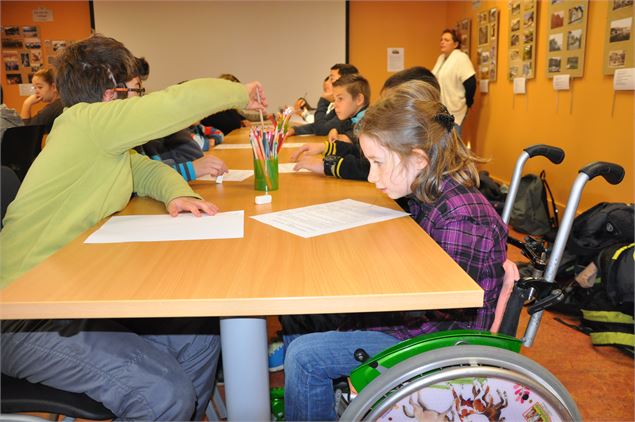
210	412
219	404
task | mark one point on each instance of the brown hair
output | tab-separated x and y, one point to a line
411	116
86	69
456	37
48	75
355	84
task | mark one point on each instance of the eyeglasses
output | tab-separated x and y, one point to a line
138	91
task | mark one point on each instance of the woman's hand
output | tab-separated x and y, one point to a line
30	101
192	205
257	99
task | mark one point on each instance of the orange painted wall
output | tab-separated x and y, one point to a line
71	21
377	26
500	125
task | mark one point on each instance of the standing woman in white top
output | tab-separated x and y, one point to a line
455	74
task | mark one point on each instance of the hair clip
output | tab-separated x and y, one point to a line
445	119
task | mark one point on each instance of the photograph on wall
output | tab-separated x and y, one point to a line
555	42
566	37
11	61
10	31
522	42
488	44
14	78
29	31
464	27
557	19
619	45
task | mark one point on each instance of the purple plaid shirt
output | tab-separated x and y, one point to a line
468	228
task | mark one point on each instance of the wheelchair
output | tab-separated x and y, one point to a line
470	375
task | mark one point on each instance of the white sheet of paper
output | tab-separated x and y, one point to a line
561	82
330	217
624	79
288	168
233	146
157	228
484	86
231	176
395	59
292	145
519	85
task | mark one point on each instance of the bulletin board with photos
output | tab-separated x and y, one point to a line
487	49
464	28
619	46
24	53
567	37
522	39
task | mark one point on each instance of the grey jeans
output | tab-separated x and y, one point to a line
147	369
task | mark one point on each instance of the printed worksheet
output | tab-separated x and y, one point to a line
316	220
157	228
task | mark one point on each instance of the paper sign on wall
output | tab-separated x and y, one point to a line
519	85
395	59
624	79
484	86
42	14
26	90
561	82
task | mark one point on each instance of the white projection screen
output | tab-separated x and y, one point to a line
287	45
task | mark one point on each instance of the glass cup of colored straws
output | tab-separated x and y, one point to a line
266	144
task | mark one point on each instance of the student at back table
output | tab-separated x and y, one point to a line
341	155
86	173
325	117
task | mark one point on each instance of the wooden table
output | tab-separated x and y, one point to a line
388	266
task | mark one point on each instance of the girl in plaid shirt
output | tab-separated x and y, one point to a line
410	139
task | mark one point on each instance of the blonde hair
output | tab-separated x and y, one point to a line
410	116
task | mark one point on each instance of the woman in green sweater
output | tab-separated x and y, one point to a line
87	172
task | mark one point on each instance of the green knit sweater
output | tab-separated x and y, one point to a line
86	172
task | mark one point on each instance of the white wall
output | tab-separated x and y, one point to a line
289	46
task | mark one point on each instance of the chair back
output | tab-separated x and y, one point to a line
20	146
10	186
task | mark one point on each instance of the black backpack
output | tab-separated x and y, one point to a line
492	191
603	225
606	309
530	212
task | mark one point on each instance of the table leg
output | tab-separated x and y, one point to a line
245	367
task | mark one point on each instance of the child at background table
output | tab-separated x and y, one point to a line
341	159
166	369
45	92
350	163
413	148
325	118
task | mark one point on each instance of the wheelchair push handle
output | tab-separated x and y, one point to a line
554	154
612	173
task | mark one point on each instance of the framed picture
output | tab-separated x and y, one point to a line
619	46
522	37
566	37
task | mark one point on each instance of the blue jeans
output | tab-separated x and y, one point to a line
166	374
314	360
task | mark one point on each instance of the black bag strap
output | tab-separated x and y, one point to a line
556	221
